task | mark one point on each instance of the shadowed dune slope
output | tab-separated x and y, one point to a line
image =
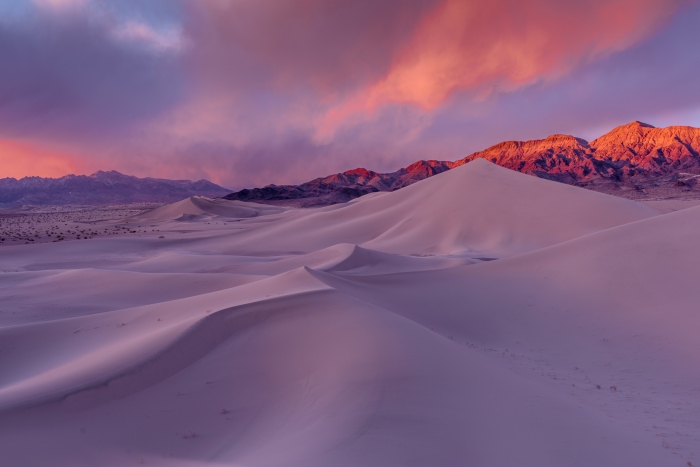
312	377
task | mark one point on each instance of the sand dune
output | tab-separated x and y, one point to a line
370	333
671	205
610	318
361	261
478	208
101	290
198	207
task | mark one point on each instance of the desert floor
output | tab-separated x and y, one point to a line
480	317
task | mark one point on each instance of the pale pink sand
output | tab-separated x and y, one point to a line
671	205
199	206
374	333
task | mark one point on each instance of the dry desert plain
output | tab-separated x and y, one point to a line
480	317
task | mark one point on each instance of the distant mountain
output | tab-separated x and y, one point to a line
101	188
342	187
635	160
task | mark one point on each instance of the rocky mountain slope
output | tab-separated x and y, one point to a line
635	160
635	150
101	188
342	187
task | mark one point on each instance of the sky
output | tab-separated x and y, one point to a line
251	92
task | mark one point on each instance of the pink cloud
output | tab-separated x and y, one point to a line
504	44
501	46
20	159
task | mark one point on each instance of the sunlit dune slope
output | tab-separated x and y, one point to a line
478	208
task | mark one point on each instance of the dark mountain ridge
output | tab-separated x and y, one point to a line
341	187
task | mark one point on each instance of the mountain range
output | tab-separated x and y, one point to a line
635	161
101	188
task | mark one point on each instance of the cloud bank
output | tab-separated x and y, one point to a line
254	92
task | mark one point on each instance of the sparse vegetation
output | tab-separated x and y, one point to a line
33	225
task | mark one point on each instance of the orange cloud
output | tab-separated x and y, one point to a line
505	44
500	46
20	159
